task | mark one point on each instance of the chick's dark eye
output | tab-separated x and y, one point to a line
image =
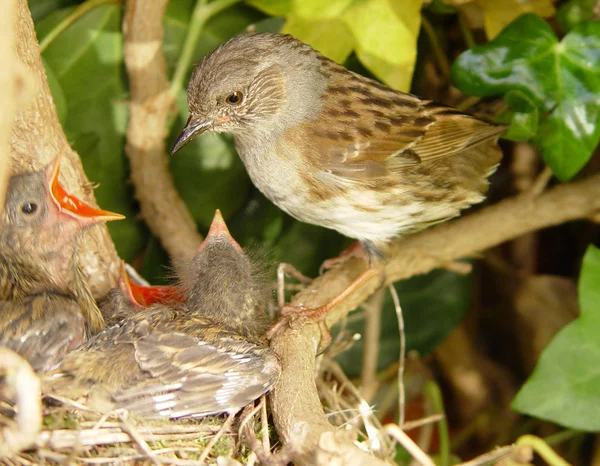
29	207
235	98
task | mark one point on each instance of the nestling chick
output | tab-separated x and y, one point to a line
129	297
46	307
199	358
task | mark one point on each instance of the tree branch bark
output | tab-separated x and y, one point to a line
295	401
162	208
37	138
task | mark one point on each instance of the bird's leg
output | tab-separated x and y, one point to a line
354	250
365	250
290	313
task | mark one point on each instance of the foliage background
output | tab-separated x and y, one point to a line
541	76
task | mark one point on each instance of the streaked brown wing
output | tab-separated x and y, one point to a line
370	131
190	377
41	328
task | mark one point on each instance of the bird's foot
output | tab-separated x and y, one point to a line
291	314
354	250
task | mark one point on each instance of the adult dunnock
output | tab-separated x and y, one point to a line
46	307
200	357
333	148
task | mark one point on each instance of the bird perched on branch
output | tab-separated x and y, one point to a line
46	307
202	357
336	149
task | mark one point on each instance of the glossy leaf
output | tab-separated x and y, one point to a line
497	14
330	37
522	116
432	305
87	60
274	7
565	385
386	38
562	78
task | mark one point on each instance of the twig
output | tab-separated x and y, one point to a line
541	181
213	441
24	385
542	449
410	425
368	375
139	440
295	400
490	457
162	208
408	444
440	55
402	357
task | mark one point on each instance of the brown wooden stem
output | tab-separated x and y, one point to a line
37	138
162	208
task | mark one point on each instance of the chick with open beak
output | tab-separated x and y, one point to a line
46	307
200	357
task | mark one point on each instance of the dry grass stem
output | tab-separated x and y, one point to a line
408	444
372	335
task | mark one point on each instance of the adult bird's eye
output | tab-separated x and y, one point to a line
235	98
29	208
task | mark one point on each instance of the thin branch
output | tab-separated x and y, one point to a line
162	208
409	445
372	335
295	400
401	357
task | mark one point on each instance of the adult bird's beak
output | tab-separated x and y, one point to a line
192	129
73	206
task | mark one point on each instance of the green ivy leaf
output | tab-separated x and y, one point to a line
565	385
432	305
522	116
562	78
87	63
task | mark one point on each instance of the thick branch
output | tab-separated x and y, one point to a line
10	75
37	138
295	400
164	211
